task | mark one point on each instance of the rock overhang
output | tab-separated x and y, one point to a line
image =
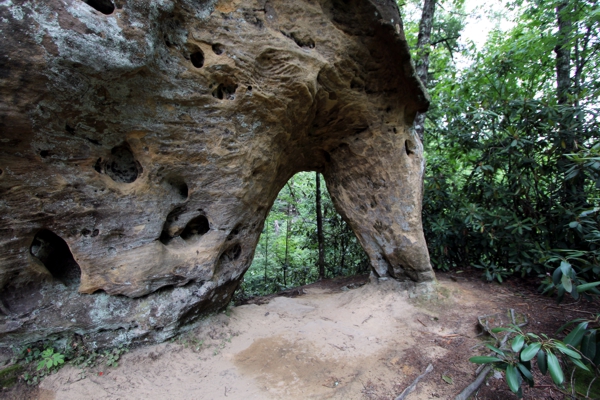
153	139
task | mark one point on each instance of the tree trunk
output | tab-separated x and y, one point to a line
266	248
287	240
423	50
563	52
573	188
320	239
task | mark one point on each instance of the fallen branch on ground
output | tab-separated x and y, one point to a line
413	385
469	390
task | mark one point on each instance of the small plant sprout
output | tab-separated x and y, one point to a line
50	359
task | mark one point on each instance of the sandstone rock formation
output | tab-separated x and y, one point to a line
143	143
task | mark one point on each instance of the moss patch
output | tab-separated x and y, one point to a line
9	375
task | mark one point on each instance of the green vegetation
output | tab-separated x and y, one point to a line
35	361
512	184
577	350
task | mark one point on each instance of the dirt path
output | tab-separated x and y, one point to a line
364	343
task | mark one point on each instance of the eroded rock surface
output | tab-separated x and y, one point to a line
144	142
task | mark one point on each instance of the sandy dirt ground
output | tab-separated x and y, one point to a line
368	342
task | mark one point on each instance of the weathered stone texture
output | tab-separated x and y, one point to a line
150	139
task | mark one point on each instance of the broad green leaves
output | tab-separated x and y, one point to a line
499	191
530	351
579	348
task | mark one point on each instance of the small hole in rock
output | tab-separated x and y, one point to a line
56	256
409	147
232	254
104	6
233	234
176	185
69	129
303	40
197	59
249	88
225	92
1	171
121	166
98	165
217	49
44	153
196	227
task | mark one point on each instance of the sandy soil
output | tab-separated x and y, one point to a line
329	343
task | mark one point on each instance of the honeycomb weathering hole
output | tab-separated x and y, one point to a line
104	6
121	166
197	58
225	91
56	256
217	49
196	227
409	147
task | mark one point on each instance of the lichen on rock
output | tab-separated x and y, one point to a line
144	142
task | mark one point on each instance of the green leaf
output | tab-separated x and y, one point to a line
49	363
566	268
41	365
565	350
447	379
567	283
484	359
588	345
542	362
556	276
554	368
587	286
579	364
517	343
495	349
526	373
512	378
500	329
574	338
530	351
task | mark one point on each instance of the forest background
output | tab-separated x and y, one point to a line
513	160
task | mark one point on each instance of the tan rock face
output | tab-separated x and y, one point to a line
144	142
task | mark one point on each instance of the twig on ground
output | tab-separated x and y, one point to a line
413	385
589	387
469	390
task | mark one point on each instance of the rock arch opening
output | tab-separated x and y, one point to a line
287	254
56	256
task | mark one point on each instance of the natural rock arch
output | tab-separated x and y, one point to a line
153	138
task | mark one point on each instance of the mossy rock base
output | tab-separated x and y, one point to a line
10	375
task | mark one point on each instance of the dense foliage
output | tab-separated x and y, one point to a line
512	179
